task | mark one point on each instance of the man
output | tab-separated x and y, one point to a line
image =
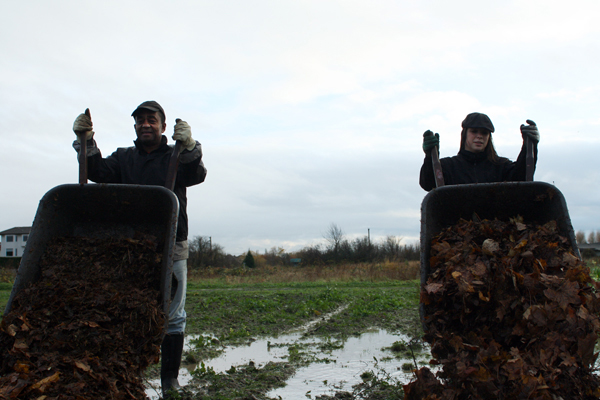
146	163
477	160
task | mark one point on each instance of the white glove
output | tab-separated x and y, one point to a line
83	124
183	133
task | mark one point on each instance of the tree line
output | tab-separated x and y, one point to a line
592	237
338	249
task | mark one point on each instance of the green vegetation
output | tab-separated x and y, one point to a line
4	295
232	315
594	265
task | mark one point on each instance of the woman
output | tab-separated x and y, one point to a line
477	160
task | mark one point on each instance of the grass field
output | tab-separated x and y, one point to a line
234	307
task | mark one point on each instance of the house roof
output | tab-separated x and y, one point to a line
595	246
18	230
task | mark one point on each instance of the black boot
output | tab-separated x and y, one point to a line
171	350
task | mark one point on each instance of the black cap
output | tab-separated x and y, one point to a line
152	106
478	120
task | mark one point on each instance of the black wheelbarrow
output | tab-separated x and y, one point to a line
536	202
101	211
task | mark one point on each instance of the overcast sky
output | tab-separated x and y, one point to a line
309	112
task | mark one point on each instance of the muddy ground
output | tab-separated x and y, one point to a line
327	315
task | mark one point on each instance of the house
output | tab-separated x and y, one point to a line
14	241
595	247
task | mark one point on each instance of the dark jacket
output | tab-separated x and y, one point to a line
132	165
467	167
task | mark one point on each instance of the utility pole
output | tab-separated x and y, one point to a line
369	243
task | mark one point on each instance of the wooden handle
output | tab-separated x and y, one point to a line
173	164
529	161
83	153
437	167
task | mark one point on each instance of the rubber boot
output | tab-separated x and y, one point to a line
171	350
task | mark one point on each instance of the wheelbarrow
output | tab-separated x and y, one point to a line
101	211
444	206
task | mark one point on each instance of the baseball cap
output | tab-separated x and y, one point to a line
478	120
152	106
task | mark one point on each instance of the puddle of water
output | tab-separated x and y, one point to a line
348	363
260	351
357	356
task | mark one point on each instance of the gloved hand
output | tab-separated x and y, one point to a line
83	124
530	130
430	141
183	133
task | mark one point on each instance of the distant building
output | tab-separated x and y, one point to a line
595	247
14	241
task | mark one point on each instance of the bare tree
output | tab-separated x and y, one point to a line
391	247
580	237
205	253
334	236
591	237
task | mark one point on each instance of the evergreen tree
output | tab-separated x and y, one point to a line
249	260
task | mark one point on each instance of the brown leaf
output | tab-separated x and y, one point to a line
11	330
433	288
585	348
21	367
570	259
83	366
20	344
567	294
489	247
43	384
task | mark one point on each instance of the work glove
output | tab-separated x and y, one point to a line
83	124
430	140
531	131
183	133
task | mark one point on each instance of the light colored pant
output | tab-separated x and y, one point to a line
177	315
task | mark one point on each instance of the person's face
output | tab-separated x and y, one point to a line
149	128
477	139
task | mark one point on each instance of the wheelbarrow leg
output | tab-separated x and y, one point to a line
171	351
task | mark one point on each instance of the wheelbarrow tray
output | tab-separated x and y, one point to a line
536	202
101	211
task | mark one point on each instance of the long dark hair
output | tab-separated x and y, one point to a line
489	150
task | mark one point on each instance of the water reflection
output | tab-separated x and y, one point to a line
359	354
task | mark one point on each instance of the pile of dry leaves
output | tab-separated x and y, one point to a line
89	327
511	313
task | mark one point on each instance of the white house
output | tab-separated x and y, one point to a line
14	241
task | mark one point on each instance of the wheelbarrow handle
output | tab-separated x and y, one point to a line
529	161
437	166
83	176
173	164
